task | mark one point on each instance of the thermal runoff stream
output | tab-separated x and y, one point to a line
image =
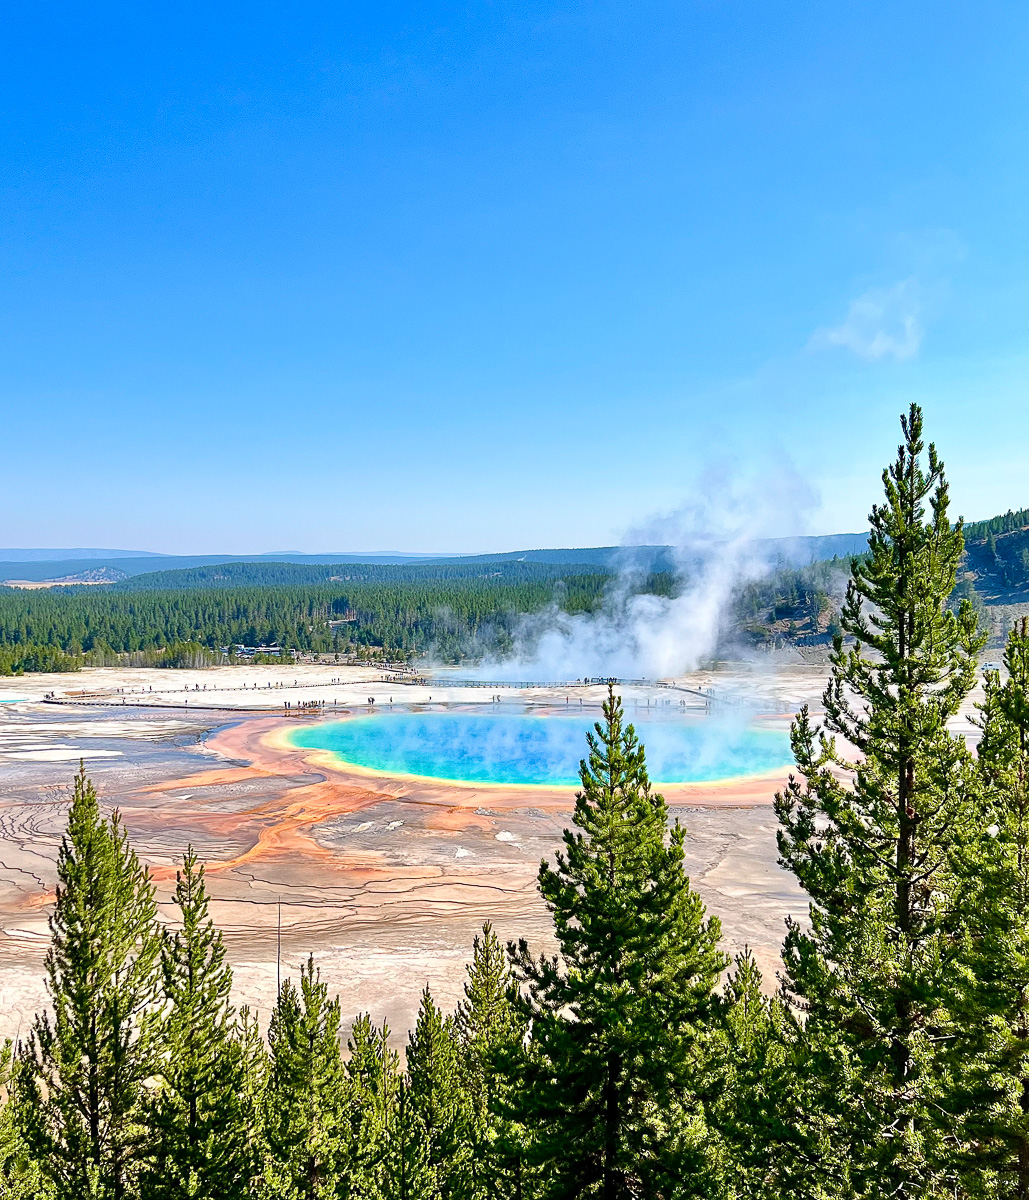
521	749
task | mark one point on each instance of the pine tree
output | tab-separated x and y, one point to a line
87	1065
871	842
303	1103
253	1074
201	1141
20	1177
407	1170
387	1152
491	1031
372	1075
995	1028
620	1016
436	1096
753	1050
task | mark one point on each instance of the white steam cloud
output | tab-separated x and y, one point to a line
715	550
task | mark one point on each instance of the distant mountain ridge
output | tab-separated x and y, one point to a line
995	565
792	551
62	556
796	551
46	569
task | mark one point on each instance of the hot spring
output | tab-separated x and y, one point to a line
521	749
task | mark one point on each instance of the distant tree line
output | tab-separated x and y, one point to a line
637	1061
26	657
453	619
68	628
1009	522
284	574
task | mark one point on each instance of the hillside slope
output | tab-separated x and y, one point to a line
997	557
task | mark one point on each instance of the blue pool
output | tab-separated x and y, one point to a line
523	749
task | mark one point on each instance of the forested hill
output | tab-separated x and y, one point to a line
453	618
268	574
997	556
1009	522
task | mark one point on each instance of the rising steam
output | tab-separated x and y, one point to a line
641	636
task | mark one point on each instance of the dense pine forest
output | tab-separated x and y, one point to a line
451	618
892	1061
244	574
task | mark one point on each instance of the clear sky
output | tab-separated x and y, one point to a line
491	275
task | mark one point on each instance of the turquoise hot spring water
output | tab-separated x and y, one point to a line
519	749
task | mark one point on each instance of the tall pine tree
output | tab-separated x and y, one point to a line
491	1030
407	1170
372	1077
437	1097
870	839
616	1071
20	1177
304	1092
388	1147
87	1064
995	1029
200	1122
754	1057
254	1073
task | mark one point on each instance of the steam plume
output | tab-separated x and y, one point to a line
642	636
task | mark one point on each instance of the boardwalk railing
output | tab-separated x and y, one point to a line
447	681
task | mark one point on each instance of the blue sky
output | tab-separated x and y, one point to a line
498	275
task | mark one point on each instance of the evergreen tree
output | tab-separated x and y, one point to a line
373	1076
253	1075
753	1051
615	1067
491	1030
436	1096
20	1177
303	1104
201	1140
87	1064
388	1152
871	842
995	1029
407	1170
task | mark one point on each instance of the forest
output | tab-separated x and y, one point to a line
449	618
998	560
637	1061
278	574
